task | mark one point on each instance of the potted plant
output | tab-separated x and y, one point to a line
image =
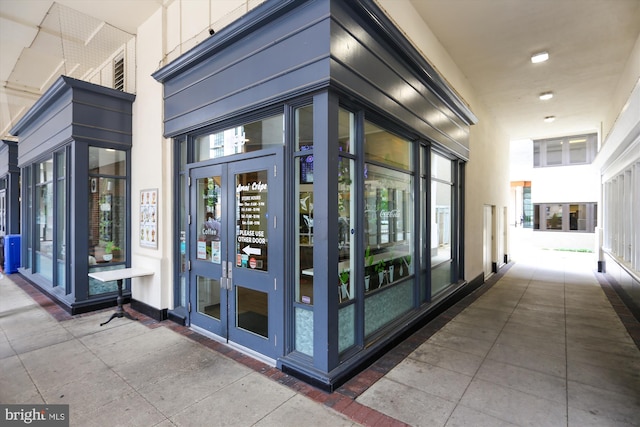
406	260
109	247
380	266
368	261
344	281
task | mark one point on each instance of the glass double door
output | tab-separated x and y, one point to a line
236	252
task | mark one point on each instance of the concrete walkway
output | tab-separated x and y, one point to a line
539	345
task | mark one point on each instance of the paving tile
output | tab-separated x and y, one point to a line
620	408
153	341
87	393
5	347
533	359
400	402
617	333
481	317
601	358
244	402
533	329
613	378
446	358
104	337
16	385
42	339
465	417
299	411
127	410
525	380
625	348
579	418
461	343
60	363
554	348
513	406
431	379
456	327
203	379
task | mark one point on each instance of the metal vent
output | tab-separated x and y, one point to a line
118	73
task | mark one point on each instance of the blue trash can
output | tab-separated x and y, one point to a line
11	253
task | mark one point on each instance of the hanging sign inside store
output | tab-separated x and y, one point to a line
251	237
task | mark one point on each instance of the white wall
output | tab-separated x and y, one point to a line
565	184
487	177
624	88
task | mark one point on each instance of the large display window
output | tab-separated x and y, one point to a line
107	214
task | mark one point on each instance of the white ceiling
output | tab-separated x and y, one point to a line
491	41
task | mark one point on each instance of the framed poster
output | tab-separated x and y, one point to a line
149	218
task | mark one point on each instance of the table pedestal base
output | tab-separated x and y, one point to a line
120	311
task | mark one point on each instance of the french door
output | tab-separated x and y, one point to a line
236	259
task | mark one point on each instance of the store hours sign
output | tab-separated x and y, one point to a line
251	220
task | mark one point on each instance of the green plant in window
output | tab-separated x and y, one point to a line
380	266
368	258
109	247
344	276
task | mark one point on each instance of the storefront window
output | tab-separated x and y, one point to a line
61	218
441	220
44	219
388	209
255	136
346	209
303	219
107	213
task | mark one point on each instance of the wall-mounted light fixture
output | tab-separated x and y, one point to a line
549	119
539	57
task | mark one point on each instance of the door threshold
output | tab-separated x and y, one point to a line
244	350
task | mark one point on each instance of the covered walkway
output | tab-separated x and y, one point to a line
543	343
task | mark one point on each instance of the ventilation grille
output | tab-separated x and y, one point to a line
118	74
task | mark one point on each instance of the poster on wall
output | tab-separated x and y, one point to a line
149	218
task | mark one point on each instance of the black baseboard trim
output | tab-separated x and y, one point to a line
178	315
158	314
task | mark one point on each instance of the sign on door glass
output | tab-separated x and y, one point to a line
209	219
251	220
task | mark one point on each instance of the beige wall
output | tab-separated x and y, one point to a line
487	176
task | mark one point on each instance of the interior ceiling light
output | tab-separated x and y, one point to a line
549	119
540	57
546	96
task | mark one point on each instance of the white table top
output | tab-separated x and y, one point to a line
123	273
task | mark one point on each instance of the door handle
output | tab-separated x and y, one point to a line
225	280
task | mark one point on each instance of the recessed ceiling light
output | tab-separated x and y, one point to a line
539	57
549	119
546	96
